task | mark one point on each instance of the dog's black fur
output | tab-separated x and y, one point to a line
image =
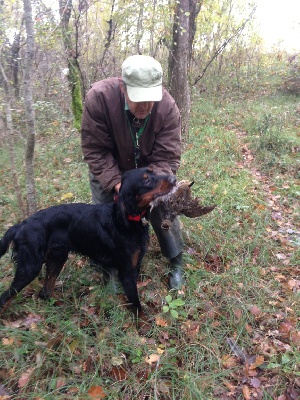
112	234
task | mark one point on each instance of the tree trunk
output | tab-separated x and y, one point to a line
178	63
74	76
195	7
139	30
15	63
10	135
29	109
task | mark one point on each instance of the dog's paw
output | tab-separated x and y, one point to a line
144	324
44	295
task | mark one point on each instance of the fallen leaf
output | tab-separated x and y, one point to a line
4	394
67	196
280	278
280	256
88	364
285	327
118	373
246	392
230	386
259	360
229	361
191	328
238	313
60	382
7	341
255	311
144	283
25	377
294	284
164	387
295	337
153	358
96	393
254	382
161	321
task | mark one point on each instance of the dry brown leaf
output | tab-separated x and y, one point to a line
246	392
294	284
118	373
280	278
238	313
88	364
285	327
153	358
96	393
255	311
230	386
164	387
259	360
144	283
7	341
255	382
25	377
161	321
229	361
191	328
295	337
60	382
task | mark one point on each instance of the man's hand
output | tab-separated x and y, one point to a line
117	187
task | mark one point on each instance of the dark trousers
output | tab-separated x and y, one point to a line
170	241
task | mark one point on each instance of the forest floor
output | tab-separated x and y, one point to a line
231	333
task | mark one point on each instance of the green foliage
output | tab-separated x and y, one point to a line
48	117
272	139
174	306
287	363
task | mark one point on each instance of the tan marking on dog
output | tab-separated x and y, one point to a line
135	259
49	285
161	189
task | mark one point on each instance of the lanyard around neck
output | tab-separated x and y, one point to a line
138	134
135	138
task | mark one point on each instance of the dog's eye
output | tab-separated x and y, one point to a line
146	178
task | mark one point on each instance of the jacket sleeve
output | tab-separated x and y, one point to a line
97	142
166	151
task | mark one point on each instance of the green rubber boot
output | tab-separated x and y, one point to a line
176	275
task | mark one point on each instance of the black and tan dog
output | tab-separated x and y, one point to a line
112	234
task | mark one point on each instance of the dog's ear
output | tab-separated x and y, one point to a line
122	212
126	201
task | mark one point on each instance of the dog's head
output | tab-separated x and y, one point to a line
139	187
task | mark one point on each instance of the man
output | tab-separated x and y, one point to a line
133	122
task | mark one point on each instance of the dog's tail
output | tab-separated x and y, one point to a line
8	238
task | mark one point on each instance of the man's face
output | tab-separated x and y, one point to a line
141	109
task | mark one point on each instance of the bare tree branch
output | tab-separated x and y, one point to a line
223	46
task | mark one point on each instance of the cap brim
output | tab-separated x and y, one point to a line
140	94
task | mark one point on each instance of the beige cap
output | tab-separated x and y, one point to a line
143	77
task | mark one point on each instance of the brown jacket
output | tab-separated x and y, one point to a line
107	143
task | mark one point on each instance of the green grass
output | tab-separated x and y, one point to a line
237	286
